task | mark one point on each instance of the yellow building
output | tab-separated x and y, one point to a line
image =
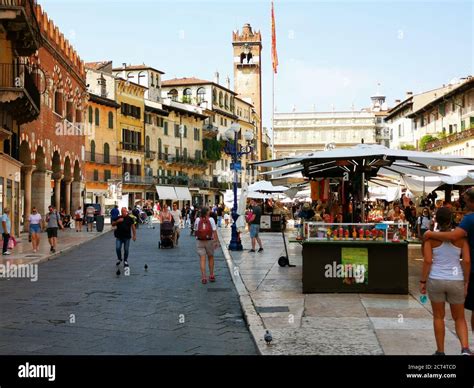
131	132
19	100
103	164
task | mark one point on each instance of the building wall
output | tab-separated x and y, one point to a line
101	135
297	133
446	118
51	133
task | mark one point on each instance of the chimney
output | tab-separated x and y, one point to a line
227	82
216	77
409	94
103	86
397	102
124	75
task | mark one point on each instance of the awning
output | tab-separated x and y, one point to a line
166	192
183	194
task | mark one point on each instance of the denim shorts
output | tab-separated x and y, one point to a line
254	230
35	228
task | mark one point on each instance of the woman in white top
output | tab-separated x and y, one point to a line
34	225
78	218
445	276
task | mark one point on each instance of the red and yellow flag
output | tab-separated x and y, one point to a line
274	47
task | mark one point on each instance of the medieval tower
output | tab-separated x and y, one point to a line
247	46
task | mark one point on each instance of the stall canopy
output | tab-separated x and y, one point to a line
266	187
366	158
183	193
166	192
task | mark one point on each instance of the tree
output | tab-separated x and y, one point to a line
425	140
408	147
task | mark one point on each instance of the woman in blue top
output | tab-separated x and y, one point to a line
445	276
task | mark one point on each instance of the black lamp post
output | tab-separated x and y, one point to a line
236	151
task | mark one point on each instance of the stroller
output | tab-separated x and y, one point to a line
166	235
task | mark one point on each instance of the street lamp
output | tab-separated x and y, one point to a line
236	151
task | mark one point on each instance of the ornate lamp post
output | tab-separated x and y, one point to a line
236	151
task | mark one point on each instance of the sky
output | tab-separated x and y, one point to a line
332	54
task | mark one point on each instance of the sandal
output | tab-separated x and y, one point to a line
212	278
204	281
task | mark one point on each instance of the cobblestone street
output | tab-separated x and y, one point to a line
79	305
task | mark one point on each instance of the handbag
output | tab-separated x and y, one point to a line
12	243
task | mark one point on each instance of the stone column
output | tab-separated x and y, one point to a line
58	177
77	187
27	176
41	195
67	188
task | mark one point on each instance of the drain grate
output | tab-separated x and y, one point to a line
218	289
33	256
273	309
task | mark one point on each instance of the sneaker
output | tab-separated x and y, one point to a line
466	352
118	262
53	250
260	250
439	353
125	264
252	251
6	253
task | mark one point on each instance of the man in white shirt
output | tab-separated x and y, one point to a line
177	222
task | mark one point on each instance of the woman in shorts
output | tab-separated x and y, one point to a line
34	222
445	277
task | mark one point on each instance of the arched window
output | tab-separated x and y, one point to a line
111	120
90	115
106	153
201	95
187	93
97	117
92	151
226	101
214	96
138	168
125	167
58	103
221	100
131	167
173	94
160	155
147	146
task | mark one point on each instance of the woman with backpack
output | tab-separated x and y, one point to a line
207	241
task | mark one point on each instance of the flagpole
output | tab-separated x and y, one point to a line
273	115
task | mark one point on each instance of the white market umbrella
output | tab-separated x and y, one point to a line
266	187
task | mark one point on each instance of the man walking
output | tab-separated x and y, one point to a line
220	213
53	221
6	230
177	222
255	225
125	230
114	213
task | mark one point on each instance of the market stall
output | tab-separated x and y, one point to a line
339	179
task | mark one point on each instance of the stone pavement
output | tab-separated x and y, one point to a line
67	239
329	324
80	306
